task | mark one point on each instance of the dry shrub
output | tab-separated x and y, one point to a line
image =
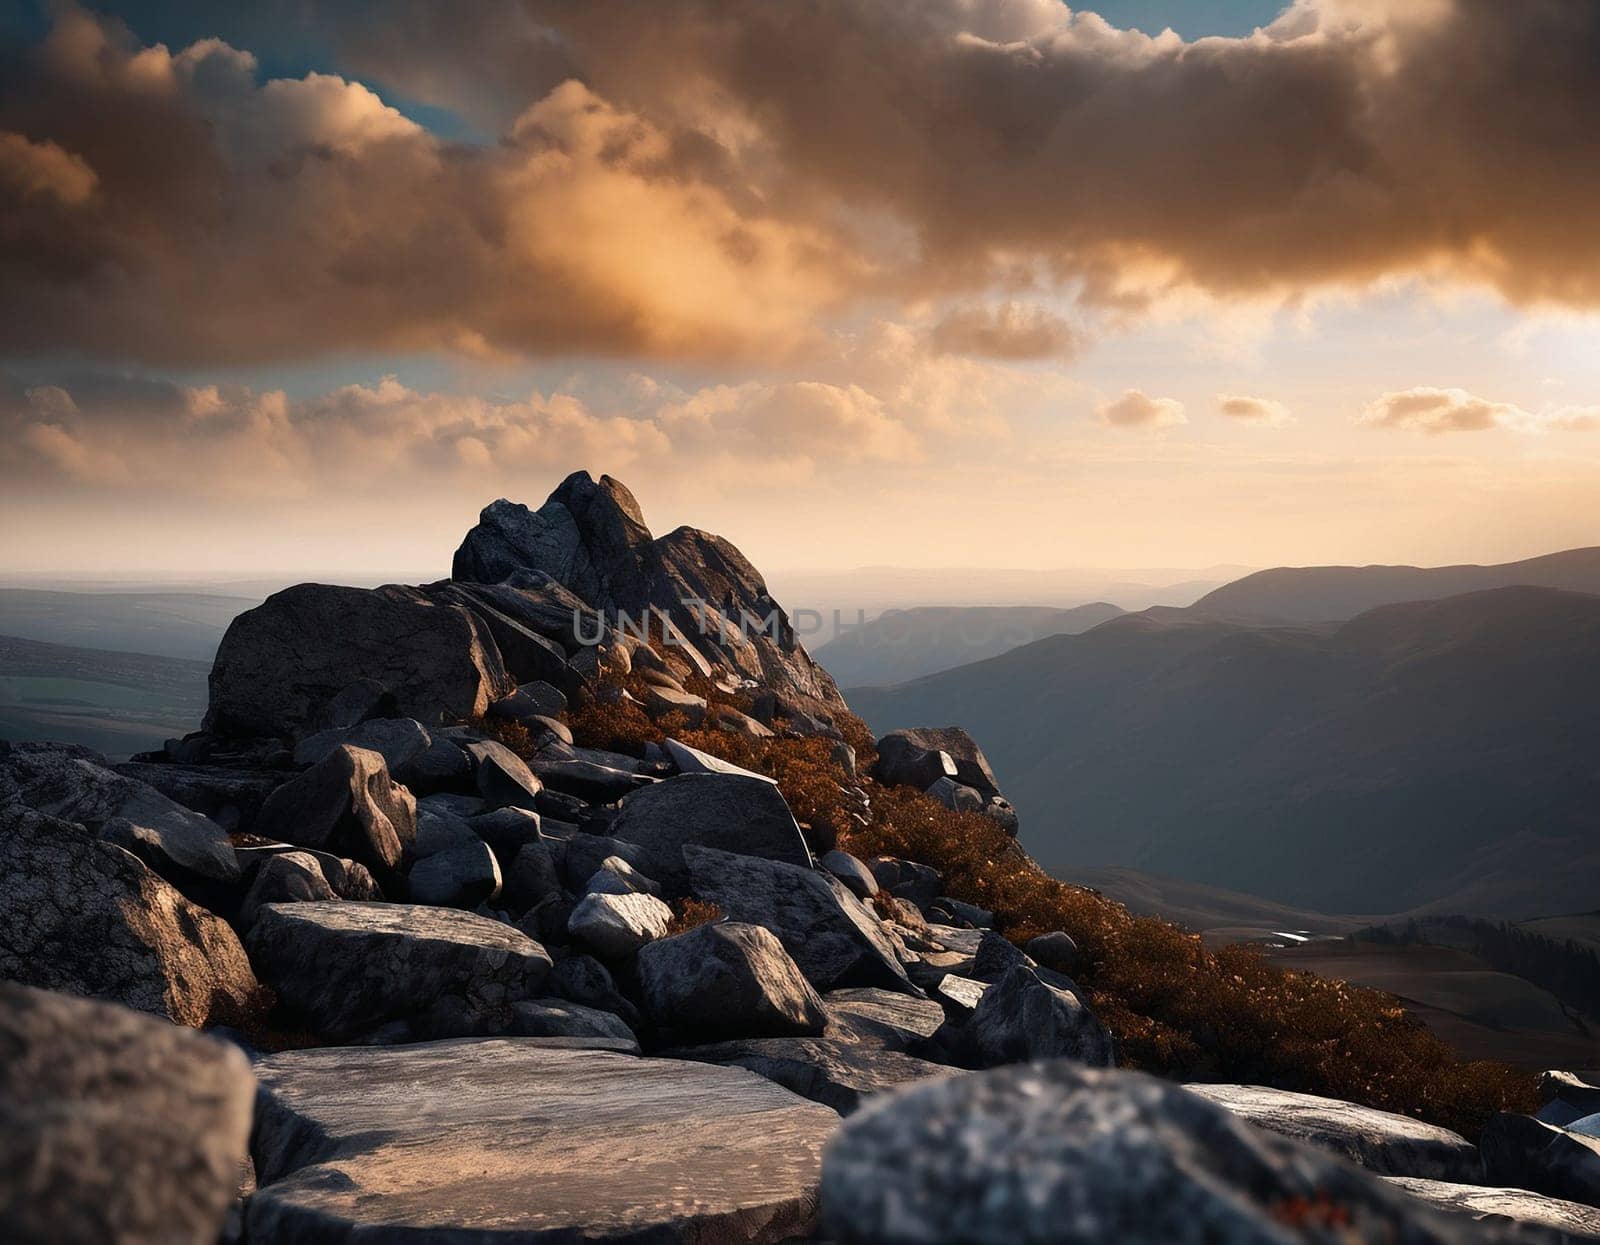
1183	1011
690	914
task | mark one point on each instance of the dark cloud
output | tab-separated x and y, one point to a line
717	177
1007	331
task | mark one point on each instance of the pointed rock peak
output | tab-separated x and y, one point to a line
584	498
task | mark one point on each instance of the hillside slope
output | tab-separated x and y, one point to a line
1293	594
906	644
1374	766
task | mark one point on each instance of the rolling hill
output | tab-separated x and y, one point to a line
1377	765
905	644
1335	593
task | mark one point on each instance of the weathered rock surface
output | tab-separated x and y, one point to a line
504	778
345	804
281	664
1391	1145
1534	1216
459	877
697	761
175	841
728	811
562	1018
289	877
230	795
114	1127
615	876
505	1140
855	875
910	755
834	939
349	966
615	926
1061	1152
1021	1018
726	980
591	537
88	918
399	741
1520	1152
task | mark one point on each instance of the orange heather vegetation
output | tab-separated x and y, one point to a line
1175	1007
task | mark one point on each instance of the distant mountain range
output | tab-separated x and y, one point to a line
906	644
1438	752
1294	594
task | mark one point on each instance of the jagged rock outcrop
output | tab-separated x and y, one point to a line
1061	1152
281	665
591	537
1523	1153
1021	1017
115	1127
528	1143
89	918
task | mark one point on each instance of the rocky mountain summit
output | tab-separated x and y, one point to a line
510	917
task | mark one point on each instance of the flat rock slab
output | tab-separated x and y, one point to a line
1562	1221
346	966
510	1141
839	1074
733	812
115	1127
1391	1145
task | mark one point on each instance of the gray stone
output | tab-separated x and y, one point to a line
1531	1216
466	806
616	926
857	878
1391	1145
1056	950
900	765
1585	1126
889	1019
281	664
289	877
578	772
581	978
439	831
696	761
838	1074
527	655
459	877
398	741
726	980
177	842
348	879
350	966
727	718
955	796
1580	1090
345	804
727	811
996	956
616	876
534	699
115	1127
512	1141
1021	1018
88	918
902	755
661	701
532	878
907	879
550	1018
1061	1152
584	853
1522	1153
834	939
230	796
962	994
503	777
507	831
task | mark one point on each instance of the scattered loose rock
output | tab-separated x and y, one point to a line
739	814
615	926
345	804
1020	1018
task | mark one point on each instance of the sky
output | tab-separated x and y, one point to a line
1002	284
